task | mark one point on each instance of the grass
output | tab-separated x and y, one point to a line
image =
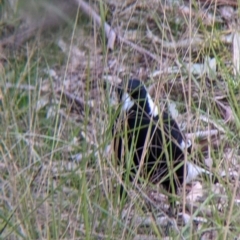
46	195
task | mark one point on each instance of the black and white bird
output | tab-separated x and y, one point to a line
153	137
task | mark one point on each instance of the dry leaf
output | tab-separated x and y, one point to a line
195	193
227	12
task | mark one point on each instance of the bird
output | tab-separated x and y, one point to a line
149	142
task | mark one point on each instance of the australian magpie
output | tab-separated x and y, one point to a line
153	137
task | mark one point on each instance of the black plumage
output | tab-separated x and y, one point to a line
152	135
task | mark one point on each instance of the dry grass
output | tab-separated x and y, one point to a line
58	176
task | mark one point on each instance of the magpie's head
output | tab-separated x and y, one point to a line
134	96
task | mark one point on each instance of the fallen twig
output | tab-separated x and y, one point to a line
111	34
194	42
202	134
26	87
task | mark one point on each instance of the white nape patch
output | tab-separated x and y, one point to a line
152	106
127	103
184	144
193	171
